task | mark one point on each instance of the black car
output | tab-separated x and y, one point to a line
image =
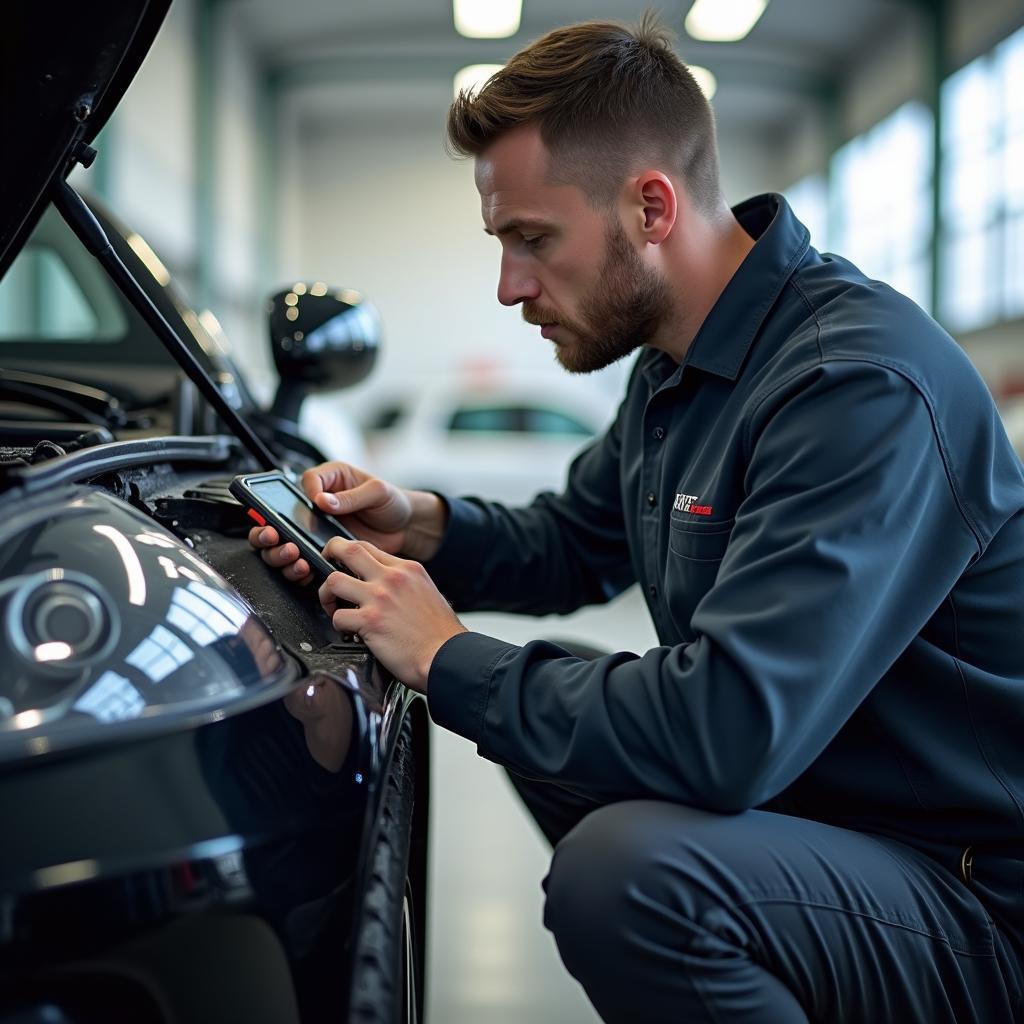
213	805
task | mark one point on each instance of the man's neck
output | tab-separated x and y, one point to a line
705	263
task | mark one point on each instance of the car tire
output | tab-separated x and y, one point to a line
386	954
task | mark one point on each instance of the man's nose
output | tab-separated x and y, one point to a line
516	284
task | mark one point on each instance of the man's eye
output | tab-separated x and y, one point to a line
533	241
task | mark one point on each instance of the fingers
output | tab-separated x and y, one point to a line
284	557
362	557
338	488
372	493
281	556
339	586
330	476
298	572
346	620
263	537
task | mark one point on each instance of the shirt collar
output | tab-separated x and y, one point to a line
728	331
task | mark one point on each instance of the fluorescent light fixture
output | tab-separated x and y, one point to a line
471	78
487	19
723	21
705	79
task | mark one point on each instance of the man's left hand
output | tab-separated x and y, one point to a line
400	615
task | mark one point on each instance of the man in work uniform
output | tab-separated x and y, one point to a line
806	804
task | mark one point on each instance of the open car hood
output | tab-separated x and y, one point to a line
63	70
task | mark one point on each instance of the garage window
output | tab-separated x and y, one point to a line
983	189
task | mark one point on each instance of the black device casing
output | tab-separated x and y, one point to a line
241	488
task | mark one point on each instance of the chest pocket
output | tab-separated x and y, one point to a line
695	552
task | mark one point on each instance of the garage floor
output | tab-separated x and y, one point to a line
490	960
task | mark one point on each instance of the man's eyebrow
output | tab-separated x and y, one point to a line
530	224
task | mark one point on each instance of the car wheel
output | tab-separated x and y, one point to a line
386	960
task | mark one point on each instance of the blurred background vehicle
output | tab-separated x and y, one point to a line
499	435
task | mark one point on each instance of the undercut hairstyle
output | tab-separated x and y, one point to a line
606	99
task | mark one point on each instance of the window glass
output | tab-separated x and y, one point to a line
1014	266
55	292
1009	58
809	199
968	100
882	212
967	296
486	418
971	188
550	421
983	188
39	300
1013	172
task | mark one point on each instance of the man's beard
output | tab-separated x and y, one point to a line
620	313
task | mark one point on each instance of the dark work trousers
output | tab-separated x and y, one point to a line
665	913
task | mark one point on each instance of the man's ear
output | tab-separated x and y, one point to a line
657	203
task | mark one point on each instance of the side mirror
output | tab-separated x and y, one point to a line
322	339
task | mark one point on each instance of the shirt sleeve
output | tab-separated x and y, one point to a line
849	536
561	552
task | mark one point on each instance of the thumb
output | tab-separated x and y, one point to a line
367	495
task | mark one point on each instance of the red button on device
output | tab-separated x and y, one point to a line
253	514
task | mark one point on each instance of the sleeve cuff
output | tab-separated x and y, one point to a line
464	544
459	683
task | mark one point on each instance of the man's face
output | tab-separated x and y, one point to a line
572	267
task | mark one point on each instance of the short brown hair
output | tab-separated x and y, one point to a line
604	97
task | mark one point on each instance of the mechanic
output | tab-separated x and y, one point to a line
807	803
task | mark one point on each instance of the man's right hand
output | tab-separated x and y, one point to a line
400	522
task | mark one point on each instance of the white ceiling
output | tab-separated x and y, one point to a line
329	51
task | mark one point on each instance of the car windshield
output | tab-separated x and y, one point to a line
56	292
61	314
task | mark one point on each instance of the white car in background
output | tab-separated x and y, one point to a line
337	434
505	437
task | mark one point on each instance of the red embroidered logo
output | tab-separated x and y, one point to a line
688	503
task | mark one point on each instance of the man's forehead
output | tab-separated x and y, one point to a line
516	160
512	179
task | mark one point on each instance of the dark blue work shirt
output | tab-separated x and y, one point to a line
824	513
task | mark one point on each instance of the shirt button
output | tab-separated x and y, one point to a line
652	499
658	433
653	591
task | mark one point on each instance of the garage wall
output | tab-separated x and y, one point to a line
237	291
149	169
366	196
149	146
372	201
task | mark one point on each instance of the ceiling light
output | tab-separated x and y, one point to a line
723	21
487	19
705	79
471	78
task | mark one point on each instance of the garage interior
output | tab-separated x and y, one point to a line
264	143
